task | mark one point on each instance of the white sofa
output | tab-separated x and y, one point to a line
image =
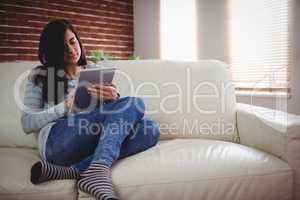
210	149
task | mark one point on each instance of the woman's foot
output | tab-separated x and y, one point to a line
96	180
43	171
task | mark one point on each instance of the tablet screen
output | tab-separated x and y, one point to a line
83	101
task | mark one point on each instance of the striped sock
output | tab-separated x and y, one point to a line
43	171
96	180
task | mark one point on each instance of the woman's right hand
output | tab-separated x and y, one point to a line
70	99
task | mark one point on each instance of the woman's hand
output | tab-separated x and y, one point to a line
103	92
70	99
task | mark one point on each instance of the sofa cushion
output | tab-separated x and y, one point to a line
12	88
174	169
188	99
15	178
196	169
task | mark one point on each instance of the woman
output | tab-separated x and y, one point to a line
113	130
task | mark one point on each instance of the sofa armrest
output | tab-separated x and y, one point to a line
275	132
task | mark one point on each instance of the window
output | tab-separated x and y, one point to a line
259	44
178	29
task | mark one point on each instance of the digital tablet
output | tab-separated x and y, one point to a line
83	101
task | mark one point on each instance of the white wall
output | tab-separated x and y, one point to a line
212	44
294	101
211	26
146	28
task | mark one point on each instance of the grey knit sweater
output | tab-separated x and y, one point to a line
37	118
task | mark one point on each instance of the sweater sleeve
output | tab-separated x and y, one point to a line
34	116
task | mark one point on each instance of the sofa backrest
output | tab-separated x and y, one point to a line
188	99
11	133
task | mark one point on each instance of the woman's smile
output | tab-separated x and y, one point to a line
73	56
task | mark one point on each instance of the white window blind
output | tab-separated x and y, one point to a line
259	44
178	29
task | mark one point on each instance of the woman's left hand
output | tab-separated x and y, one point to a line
103	92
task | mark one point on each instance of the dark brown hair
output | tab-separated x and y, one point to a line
51	55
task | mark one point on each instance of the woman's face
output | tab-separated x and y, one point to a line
72	50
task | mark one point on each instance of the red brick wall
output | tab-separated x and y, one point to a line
102	25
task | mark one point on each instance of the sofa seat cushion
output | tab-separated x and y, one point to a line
15	178
201	169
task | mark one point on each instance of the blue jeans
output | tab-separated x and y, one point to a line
110	132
